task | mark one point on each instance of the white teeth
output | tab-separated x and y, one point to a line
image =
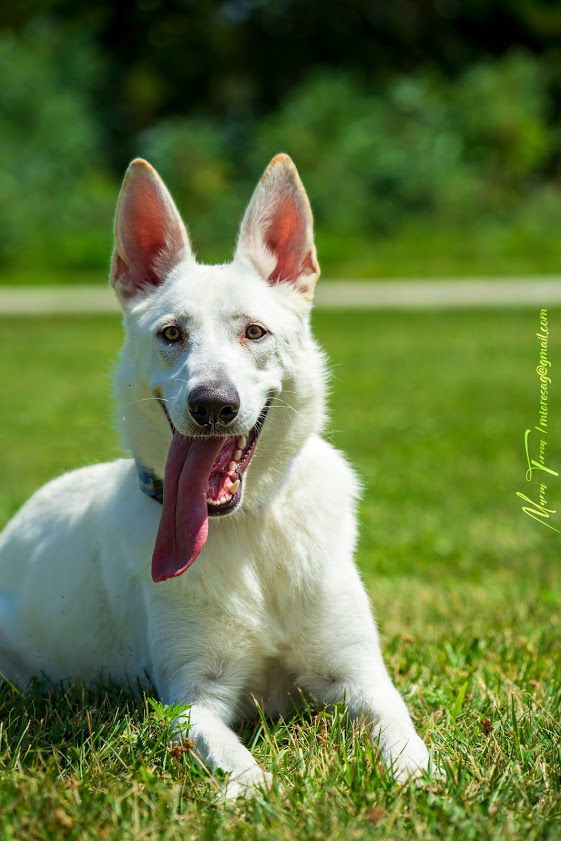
226	498
241	444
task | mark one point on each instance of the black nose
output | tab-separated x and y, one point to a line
214	405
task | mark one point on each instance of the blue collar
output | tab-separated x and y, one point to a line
150	484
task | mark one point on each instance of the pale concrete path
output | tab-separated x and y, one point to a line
444	293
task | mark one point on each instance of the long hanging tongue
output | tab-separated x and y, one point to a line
184	524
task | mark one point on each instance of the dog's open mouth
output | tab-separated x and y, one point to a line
226	476
203	477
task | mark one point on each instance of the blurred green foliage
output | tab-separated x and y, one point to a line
55	198
393	156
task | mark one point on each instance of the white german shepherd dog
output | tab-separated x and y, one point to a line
231	577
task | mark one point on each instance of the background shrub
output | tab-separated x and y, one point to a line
453	152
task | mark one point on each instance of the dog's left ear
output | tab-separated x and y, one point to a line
277	231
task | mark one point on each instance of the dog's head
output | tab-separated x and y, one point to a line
220	381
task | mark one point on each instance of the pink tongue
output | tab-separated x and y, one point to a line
184	524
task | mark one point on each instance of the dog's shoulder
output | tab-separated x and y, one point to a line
320	466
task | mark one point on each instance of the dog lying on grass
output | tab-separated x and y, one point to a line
217	563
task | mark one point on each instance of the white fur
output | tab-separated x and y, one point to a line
274	602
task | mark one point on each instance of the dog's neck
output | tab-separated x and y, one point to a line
150	484
145	430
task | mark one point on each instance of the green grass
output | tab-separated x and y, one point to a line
431	408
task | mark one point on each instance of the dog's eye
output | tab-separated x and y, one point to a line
171	333
254	331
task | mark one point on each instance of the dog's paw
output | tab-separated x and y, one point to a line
246	784
405	755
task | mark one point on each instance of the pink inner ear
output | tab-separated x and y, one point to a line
286	238
147	232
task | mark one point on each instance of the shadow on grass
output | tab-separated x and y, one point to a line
67	717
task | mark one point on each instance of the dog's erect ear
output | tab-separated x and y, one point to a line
150	237
277	231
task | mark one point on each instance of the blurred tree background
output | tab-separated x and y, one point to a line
428	132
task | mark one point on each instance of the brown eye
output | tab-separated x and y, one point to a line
254	331
171	333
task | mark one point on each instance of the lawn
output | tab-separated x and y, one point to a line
431	408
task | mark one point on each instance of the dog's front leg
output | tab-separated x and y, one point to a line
220	748
381	707
370	697
208	677
341	661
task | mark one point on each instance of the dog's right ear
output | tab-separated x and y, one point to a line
150	237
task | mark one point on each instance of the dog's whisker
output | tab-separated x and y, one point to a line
283	404
144	400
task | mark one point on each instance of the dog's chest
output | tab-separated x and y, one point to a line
261	622
256	610
256	600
